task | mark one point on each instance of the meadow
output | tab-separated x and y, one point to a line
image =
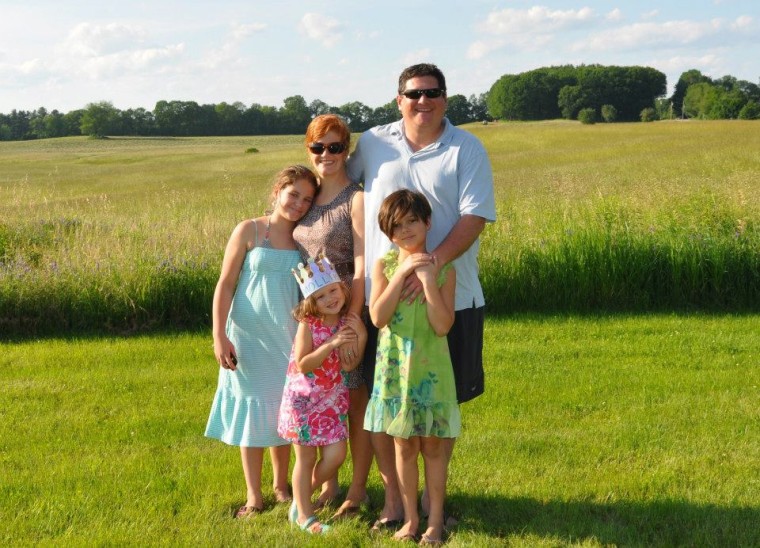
622	430
621	352
126	235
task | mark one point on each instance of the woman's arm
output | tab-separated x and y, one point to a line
357	226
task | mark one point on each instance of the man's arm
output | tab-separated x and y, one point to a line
459	239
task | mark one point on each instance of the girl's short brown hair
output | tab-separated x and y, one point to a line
400	203
308	306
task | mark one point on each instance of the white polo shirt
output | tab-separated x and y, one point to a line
454	173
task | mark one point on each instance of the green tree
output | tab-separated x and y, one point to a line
699	100
649	114
609	113
99	119
571	99
587	116
294	115
750	111
357	115
458	110
688	78
385	114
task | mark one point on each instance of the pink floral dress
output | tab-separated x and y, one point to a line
314	405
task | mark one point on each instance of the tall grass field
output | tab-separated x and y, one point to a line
127	235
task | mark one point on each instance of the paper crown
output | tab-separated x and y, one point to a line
315	275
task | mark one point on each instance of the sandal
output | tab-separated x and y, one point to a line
245	511
313	526
293	513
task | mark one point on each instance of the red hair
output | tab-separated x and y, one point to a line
325	123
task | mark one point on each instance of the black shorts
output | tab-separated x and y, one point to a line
465	347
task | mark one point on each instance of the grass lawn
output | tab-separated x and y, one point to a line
619	430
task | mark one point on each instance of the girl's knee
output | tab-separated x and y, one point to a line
432	447
407	448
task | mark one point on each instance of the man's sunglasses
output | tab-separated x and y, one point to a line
415	94
332	148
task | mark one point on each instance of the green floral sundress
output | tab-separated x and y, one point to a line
414	392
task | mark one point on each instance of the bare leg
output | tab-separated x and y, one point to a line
361	449
252	458
407	452
332	456
386	463
448	445
280	456
434	455
306	458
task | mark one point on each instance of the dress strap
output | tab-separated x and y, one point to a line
266	233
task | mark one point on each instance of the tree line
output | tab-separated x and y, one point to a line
188	118
585	93
616	93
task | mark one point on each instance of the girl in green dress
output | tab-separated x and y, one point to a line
414	395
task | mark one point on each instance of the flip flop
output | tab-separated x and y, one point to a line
245	511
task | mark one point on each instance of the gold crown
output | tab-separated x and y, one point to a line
317	274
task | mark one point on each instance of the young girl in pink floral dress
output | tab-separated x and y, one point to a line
314	405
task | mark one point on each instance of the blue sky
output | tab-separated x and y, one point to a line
64	54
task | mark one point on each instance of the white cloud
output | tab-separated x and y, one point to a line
671	33
414	57
96	51
239	32
97	67
87	39
536	19
650	14
743	22
321	28
615	15
525	30
482	48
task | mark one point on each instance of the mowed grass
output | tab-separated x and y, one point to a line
126	235
618	430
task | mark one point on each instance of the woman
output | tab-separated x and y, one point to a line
334	226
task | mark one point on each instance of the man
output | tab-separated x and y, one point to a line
425	152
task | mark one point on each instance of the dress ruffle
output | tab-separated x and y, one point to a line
243	421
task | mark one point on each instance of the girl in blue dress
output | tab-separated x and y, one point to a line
253	331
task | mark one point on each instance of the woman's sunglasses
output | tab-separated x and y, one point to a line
414	94
332	148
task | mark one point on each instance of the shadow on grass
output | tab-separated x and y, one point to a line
669	523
